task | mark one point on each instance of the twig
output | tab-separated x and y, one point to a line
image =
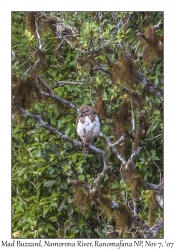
62	83
35	64
151	186
53	95
132	157
98	180
111	146
77	182
99	67
37	33
159	199
26	71
125	23
153	161
155	137
59	44
122	138
134	202
133	119
138	221
148	85
159	25
157	227
154	230
53	130
150	129
59	99
39	44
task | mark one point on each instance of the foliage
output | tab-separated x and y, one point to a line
100	59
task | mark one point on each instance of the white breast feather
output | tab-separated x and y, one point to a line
88	130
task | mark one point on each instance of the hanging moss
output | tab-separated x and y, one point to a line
30	22
153	47
133	181
105	204
122	216
121	119
99	104
134	184
25	93
82	200
123	221
123	71
152	207
142	128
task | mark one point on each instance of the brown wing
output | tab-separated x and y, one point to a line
77	120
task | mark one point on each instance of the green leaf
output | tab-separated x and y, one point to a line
105	96
53	121
49	183
27	225
45	209
61	206
28	34
53	218
81	177
67	131
13	55
156	81
36	152
63	185
102	57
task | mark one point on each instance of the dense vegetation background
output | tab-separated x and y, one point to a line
112	61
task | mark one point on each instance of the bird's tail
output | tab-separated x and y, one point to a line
85	150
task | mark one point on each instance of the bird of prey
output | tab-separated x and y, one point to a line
88	127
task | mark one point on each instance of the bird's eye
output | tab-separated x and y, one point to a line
84	111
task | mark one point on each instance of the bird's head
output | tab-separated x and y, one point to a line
84	110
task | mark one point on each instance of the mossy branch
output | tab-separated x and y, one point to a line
148	85
154	230
145	83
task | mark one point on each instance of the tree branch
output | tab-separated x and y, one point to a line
53	130
113	205
154	230
37	33
53	95
151	186
112	146
132	157
101	176
133	119
59	134
80	183
148	85
138	221
62	83
39	44
59	99
99	67
159	199
157	227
